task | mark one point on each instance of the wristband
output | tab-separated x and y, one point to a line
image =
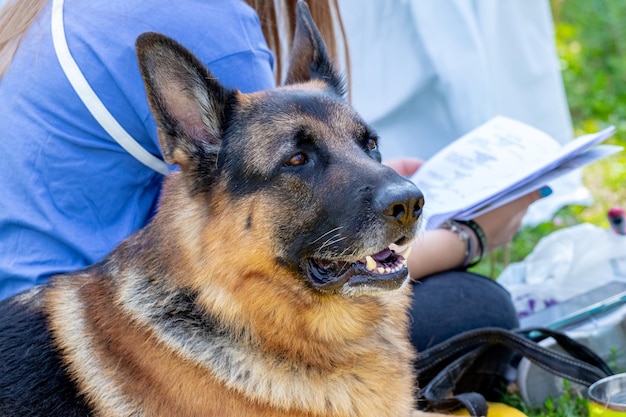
474	247
482	240
456	228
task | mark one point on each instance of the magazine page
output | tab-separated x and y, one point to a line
494	159
585	158
481	163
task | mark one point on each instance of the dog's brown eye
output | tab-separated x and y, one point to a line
297	160
372	144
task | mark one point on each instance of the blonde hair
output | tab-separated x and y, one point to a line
17	16
15	19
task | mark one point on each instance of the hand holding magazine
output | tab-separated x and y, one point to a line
496	163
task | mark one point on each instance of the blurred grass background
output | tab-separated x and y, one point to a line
591	43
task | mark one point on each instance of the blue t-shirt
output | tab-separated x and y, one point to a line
68	192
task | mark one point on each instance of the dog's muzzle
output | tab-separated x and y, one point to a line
385	270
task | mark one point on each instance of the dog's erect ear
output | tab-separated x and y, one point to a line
188	103
309	58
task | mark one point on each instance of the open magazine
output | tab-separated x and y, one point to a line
496	163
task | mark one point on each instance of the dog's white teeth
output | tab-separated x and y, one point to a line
370	263
407	253
404	250
396	248
386	268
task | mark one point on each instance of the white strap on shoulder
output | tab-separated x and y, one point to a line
91	100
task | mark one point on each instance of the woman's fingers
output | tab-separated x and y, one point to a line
501	224
404	166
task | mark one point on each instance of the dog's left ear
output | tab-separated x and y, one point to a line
309	58
190	106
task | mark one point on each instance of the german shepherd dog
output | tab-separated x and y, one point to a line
271	281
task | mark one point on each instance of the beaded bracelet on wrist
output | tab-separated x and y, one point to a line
460	231
482	240
473	255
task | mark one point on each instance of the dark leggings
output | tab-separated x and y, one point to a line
449	303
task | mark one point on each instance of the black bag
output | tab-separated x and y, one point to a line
471	368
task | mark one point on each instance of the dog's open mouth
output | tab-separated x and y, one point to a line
386	270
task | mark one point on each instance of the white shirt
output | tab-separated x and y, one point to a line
424	72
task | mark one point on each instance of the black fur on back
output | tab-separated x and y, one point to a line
32	380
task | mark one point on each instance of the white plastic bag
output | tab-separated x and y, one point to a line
564	264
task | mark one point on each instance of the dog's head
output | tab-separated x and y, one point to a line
294	172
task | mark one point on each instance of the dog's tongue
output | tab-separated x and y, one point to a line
382	255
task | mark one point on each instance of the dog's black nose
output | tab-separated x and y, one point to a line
401	203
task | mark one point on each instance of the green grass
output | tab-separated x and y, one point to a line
570	404
591	42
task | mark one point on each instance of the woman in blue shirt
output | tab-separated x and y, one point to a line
70	192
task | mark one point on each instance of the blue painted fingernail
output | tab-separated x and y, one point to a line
545	191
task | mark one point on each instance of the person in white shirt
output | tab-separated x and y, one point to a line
424	73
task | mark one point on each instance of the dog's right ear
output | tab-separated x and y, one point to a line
188	103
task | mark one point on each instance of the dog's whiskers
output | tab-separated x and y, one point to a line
345	254
332	240
327	233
